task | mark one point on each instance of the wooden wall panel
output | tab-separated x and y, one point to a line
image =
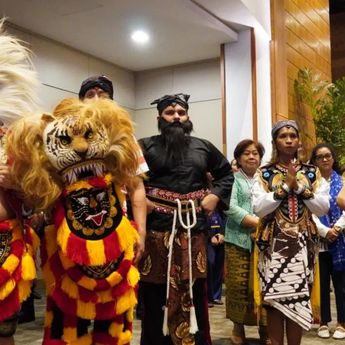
338	45
306	43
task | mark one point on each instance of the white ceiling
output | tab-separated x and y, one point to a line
181	31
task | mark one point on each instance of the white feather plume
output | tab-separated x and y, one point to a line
18	79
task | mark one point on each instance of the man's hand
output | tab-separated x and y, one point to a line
139	249
209	203
220	238
332	235
150	206
214	240
291	180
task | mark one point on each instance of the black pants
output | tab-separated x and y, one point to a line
338	279
153	298
215	271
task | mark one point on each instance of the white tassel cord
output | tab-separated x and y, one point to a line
171	242
193	327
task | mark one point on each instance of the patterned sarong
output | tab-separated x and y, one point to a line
285	277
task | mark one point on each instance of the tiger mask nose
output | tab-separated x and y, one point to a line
80	147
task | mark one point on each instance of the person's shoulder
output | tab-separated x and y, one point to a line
269	167
308	168
311	171
203	143
147	140
239	179
266	171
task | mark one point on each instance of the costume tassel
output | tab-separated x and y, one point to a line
193	323
165	321
28	267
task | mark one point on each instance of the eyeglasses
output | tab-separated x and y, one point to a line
326	156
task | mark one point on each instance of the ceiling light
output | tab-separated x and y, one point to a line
140	36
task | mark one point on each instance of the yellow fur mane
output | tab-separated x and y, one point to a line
40	183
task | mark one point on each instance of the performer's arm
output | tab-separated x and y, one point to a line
138	201
264	202
341	198
223	178
319	203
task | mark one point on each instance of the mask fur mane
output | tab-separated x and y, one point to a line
39	181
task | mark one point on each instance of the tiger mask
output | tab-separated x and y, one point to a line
78	141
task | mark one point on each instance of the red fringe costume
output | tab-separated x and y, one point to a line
17	267
89	273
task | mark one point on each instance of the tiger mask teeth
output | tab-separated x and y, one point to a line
82	172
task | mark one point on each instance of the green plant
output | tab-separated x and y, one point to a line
326	103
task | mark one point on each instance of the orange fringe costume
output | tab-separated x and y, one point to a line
89	273
17	267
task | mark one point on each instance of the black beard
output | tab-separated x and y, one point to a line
176	138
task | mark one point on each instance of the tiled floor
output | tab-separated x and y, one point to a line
31	333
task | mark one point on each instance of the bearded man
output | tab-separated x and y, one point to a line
173	267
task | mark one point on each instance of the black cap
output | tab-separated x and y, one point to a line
100	81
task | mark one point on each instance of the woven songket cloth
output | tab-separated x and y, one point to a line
287	240
17	267
88	267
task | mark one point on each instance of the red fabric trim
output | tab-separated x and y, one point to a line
50	304
120	289
105	311
111	246
124	267
17	274
17	248
87	295
98	182
75	274
65	303
69	320
104	338
43	252
102	284
4	226
58	213
118	319
55	266
77	250
9	305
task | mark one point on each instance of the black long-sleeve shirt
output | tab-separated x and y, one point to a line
200	157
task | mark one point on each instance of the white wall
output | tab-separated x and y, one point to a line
238	79
61	70
263	92
201	80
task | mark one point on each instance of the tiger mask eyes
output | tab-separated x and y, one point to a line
75	147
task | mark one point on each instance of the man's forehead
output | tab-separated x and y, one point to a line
174	106
97	90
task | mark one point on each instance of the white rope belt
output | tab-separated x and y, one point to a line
178	213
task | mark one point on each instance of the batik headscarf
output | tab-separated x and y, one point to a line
337	248
100	81
284	123
165	101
